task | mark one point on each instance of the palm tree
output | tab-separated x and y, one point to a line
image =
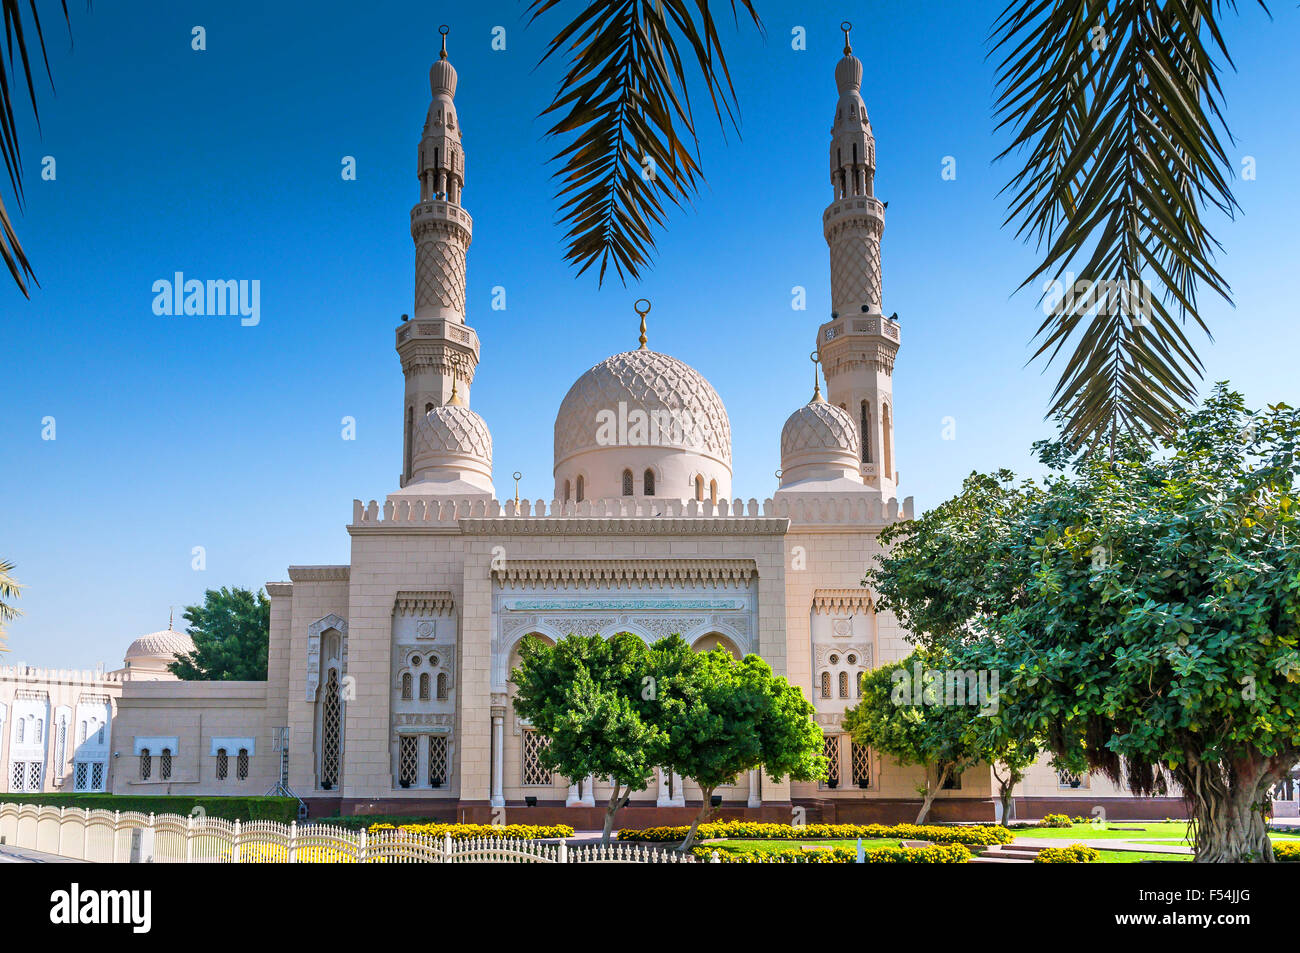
8	591
16	40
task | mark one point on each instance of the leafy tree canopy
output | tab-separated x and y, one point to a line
231	633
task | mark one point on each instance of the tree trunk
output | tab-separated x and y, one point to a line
616	802
705	810
931	789
1005	789
1228	801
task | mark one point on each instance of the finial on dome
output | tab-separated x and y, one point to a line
171	613
637	307
455	400
817	382
846	26
444	30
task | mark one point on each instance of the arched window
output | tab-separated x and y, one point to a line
648	482
566	491
36	731
165	764
627	483
241	765
81	733
100	737
424	686
887	425
22	730
826	684
442	686
410	430
223	764
61	746
699	488
146	764
713	491
582	487
406	686
844	684
866	433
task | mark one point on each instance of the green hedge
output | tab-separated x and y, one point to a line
971	835
283	809
938	854
1074	854
357	822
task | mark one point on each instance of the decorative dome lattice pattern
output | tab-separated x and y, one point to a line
160	645
648	381
818	426
452	430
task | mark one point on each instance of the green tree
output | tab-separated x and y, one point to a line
231	633
589	697
9	590
902	712
1154	632
723	717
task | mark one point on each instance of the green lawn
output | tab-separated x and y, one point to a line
1173	831
745	845
1133	856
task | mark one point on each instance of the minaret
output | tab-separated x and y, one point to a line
436	346
858	345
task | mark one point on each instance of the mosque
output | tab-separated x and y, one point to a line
388	684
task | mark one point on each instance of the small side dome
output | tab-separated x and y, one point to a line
161	646
452	444
819	442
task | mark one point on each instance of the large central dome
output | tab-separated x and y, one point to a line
637	411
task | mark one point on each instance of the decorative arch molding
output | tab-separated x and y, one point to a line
314	632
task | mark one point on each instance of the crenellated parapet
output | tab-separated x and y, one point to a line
62	676
446	513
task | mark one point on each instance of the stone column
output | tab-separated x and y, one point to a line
670	790
588	798
755	789
574	796
498	756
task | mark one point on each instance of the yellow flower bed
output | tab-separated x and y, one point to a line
938	854
1074	854
468	831
969	835
1286	853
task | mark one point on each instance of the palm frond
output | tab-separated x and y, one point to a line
16	40
1115	107
624	109
10	589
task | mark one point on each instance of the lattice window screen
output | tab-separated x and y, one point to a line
861	765
165	764
437	760
223	764
146	764
241	765
34	775
408	759
533	772
831	748
844	684
80	775
331	712
97	775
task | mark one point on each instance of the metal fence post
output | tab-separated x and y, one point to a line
189	839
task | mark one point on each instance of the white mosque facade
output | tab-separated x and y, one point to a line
388	685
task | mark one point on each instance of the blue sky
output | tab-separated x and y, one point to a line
176	432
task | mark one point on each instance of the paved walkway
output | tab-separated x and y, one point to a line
21	855
1105	843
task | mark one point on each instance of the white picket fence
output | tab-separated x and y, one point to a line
131	837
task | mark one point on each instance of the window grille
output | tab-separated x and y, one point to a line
146	764
861	765
627	482
442	686
18	774
582	488
437	760
80	775
331	718
831	748
408	760
844	684
424	686
406	686
1067	779
97	775
34	775
223	764
533	773
61	748
826	684
649	482
165	764
241	765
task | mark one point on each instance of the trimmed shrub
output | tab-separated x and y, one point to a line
938	854
1285	852
1074	854
357	822
282	809
466	831
1057	820
972	835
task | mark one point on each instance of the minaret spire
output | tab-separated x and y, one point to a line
439	350
858	344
